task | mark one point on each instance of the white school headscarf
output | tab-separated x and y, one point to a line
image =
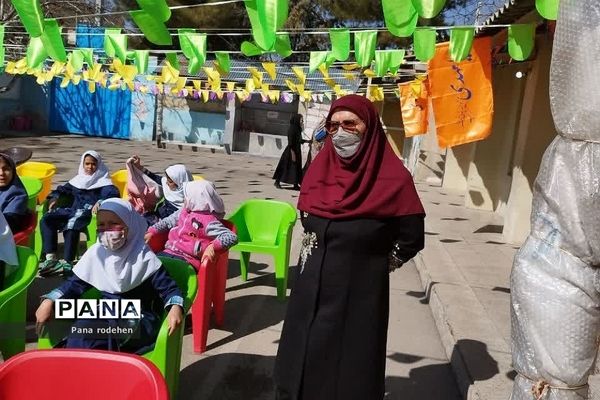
126	268
202	196
8	250
97	180
178	174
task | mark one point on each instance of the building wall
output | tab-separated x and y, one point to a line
187	121
23	97
143	108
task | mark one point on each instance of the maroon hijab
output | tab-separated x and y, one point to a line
373	183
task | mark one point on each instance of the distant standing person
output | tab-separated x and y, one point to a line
289	169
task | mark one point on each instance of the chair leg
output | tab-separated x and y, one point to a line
219	289
202	307
14	314
281	273
37	242
244	263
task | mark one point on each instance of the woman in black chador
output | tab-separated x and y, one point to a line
289	169
362	216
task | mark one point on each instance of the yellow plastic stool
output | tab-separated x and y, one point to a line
42	171
119	179
198	177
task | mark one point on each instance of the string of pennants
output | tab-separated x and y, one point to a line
267	19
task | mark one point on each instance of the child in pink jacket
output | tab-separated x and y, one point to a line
195	231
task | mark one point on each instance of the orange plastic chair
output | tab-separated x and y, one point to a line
73	374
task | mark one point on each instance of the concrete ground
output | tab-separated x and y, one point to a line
239	360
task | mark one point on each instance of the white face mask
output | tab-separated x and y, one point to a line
112	240
346	144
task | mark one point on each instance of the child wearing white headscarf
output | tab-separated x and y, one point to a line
171	187
120	266
85	191
196	232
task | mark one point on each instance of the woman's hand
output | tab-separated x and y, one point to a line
174	318
209	254
148	236
52	204
43	314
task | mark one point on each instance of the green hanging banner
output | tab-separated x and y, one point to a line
340	43
36	53
224	61
316	59
424	43
140	58
521	39
158	9
400	17
154	30
195	50
173	60
184	44
2	49
31	15
109	49
266	17
76	60
119	44
88	56
365	43
547	8
250	49
461	40
52	40
388	60
428	8
283	47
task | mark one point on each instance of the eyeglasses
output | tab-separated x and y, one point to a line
347	125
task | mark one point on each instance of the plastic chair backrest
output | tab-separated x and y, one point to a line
22	237
198	177
21	277
119	179
33	186
70	374
185	277
43	171
263	221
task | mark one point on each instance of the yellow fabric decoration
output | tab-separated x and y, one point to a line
299	71
271	69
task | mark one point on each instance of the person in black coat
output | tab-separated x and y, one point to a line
289	169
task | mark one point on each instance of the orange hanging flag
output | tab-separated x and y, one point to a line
462	94
414	106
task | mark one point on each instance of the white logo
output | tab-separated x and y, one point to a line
97	309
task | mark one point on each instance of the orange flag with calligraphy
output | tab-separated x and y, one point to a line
462	95
414	100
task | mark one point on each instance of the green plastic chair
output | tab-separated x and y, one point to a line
265	226
13	302
33	186
166	354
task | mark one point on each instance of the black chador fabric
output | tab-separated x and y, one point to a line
288	170
333	344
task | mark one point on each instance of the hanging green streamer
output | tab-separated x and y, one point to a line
36	53
316	59
119	43
31	15
76	60
340	43
250	49
141	60
547	8
388	60
88	56
224	61
109	49
400	17
424	43
283	47
266	17
521	39
159	9
52	40
154	30
428	8
2	49
195	45
364	47
173	60
461	40
184	44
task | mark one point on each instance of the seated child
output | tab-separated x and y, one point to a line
8	251
13	196
196	231
91	185
120	266
172	188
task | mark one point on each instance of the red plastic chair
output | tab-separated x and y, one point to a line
212	282
66	374
23	238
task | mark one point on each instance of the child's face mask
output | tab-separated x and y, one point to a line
112	240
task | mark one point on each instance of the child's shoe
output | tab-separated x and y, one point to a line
66	269
49	267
